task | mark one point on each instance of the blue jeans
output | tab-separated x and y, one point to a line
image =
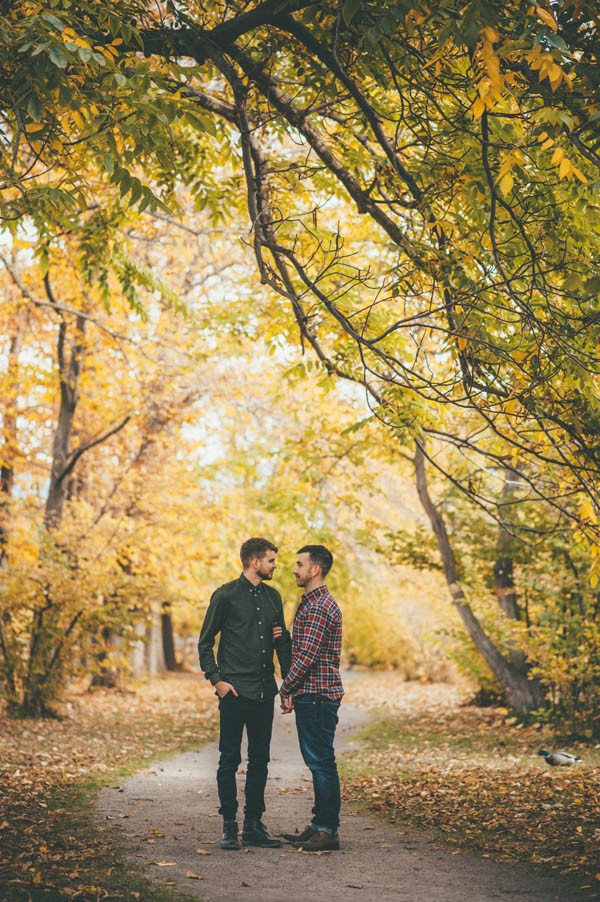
316	720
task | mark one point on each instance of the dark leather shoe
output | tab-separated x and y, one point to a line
320	842
255	834
230	840
306	834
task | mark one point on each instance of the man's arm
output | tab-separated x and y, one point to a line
213	622
314	634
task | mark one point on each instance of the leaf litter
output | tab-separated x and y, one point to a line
42	762
473	777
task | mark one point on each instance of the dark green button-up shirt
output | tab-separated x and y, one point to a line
244	615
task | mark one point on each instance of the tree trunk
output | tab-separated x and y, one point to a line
504	583
153	653
107	677
7	475
523	695
47	639
168	640
69	393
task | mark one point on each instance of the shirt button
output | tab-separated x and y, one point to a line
264	652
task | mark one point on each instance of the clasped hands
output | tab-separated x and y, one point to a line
286	703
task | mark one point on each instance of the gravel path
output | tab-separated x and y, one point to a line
168	812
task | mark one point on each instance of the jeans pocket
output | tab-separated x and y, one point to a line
328	714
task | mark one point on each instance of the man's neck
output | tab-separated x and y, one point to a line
252	577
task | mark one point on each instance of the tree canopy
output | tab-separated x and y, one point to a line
462	140
420	186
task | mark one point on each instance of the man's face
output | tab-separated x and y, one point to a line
304	570
265	566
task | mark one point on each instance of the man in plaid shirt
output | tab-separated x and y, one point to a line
313	689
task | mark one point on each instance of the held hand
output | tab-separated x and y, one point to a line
287	705
222	688
277	632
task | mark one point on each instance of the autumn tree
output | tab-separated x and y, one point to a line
419	182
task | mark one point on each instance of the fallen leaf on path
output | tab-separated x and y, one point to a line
203	852
243	883
158	832
194	876
164	864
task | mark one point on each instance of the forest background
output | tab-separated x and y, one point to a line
314	271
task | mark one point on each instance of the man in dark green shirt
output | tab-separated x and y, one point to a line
248	615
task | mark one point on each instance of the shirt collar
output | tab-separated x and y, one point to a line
254	590
317	592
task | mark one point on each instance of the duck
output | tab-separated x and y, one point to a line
559	759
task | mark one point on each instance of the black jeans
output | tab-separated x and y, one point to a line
236	713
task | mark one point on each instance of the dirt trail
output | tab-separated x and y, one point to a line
376	863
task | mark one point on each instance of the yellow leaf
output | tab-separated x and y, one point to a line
478	108
587	511
490	34
506	183
78	119
565	170
461	342
193	876
547	18
548	143
555	76
557	156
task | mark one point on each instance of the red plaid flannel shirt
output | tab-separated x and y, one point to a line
316	647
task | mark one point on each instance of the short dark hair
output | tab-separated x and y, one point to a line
252	548
319	555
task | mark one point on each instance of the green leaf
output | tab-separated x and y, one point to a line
58	56
592	286
125	180
34	108
349	10
136	190
52	20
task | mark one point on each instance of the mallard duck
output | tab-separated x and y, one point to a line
559	759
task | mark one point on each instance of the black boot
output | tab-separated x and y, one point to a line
230	840
255	834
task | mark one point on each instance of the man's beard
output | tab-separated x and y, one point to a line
267	575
